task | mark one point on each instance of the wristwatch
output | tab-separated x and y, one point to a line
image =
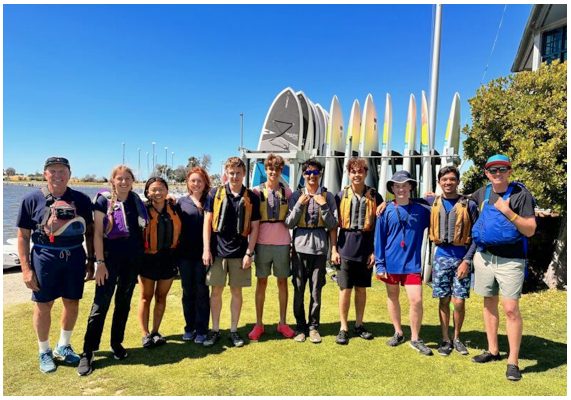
250	254
97	262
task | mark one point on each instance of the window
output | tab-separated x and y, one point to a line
554	45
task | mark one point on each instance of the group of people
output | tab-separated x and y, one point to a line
212	235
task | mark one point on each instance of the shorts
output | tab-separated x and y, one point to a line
160	266
60	273
493	274
403	279
354	273
268	256
231	267
445	283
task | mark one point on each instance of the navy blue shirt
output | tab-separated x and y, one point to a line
134	242
355	245
192	219
33	208
229	243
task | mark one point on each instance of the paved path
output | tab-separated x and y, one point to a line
15	292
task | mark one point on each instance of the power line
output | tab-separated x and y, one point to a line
494	45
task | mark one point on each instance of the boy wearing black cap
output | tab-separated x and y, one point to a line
398	243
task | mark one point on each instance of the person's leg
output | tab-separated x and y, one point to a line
459	312
147	287
444	316
393	306
201	298
344	302
514	328
216	306
235	307
414	294
299	281
261	286
42	320
282	298
162	290
316	282
360	302
491	322
126	283
188	293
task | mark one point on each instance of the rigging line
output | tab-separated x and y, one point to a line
494	45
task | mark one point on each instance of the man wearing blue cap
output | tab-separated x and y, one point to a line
56	218
507	219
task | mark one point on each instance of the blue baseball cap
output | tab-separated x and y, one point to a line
498	159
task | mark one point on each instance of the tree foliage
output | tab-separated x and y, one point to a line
525	117
10	171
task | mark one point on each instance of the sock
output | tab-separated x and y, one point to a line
64	338
44	346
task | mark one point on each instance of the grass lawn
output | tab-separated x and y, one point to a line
275	366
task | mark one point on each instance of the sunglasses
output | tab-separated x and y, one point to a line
310	172
495	170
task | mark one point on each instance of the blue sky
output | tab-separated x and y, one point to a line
80	80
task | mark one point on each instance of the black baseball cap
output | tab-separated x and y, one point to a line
400	177
56	160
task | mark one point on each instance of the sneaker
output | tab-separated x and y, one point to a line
445	348
211	338
84	368
419	346
236	340
158	339
47	362
188	336
257	332
396	340
362	332
148	341
66	354
299	337
119	352
485	357
512	373
314	336
342	337
286	331
460	347
200	338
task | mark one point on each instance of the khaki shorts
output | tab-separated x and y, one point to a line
272	257
231	267
493	274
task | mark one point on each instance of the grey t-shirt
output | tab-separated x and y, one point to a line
311	240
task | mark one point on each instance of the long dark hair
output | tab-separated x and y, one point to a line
150	181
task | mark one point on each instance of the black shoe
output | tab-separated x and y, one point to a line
445	348
158	339
362	332
485	357
84	368
460	347
148	341
119	352
342	337
512	373
236	340
419	346
395	340
211	338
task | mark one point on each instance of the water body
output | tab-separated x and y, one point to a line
13	195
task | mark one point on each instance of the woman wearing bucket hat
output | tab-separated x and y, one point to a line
398	243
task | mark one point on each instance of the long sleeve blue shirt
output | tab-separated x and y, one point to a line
398	238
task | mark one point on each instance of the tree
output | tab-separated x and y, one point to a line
525	117
10	171
179	174
203	162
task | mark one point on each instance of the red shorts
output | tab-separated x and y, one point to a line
403	279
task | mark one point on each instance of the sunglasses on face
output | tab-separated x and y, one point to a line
310	172
495	170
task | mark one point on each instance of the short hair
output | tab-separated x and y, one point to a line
204	175
312	162
446	170
152	180
356	163
234	162
274	161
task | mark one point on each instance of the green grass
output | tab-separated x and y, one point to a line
275	366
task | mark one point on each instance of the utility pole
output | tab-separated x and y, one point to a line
153	158
123	153
241	131
139	165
